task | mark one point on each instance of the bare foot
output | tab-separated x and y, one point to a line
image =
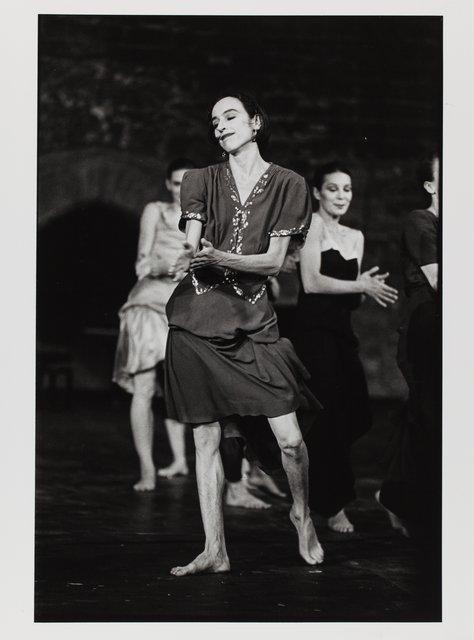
237	495
340	523
176	468
204	563
261	480
309	547
395	521
146	482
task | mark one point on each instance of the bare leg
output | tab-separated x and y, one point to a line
179	466
141	419
340	523
210	482
294	458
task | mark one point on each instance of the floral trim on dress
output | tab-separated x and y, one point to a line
192	215
302	229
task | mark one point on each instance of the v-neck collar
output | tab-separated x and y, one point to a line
233	185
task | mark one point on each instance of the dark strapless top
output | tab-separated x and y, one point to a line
330	311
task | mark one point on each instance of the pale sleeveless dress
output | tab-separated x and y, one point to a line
143	323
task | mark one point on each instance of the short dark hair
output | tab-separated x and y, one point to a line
177	164
253	108
424	171
325	169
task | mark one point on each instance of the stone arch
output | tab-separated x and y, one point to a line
118	178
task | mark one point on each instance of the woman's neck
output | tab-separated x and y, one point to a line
328	219
247	161
434	205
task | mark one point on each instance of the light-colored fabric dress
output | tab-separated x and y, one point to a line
143	323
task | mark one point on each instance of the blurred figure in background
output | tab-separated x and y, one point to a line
412	491
144	328
330	264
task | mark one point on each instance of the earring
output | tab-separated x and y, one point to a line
224	154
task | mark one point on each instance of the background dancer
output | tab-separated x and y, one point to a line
412	490
144	328
224	358
330	265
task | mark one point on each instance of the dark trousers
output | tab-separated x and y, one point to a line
232	453
338	381
412	489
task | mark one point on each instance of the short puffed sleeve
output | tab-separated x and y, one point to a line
193	198
295	213
421	237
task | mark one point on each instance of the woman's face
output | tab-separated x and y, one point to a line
233	126
174	184
432	186
335	194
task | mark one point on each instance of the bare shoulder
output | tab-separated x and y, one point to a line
152	211
315	233
353	234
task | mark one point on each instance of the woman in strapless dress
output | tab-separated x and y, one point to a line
332	287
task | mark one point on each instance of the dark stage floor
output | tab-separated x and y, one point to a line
103	552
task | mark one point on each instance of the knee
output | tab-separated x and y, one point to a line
144	387
292	446
207	440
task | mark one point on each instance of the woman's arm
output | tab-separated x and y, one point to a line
144	264
314	281
431	274
265	264
310	264
189	248
146	237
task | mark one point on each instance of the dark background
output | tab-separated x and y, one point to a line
119	96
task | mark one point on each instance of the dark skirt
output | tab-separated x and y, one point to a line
412	489
338	380
238	383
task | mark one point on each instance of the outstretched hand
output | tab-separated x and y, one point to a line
181	264
207	256
374	286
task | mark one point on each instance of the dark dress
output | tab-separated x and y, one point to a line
225	360
412	489
326	343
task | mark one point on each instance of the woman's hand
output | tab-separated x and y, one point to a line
182	262
373	284
207	256
143	267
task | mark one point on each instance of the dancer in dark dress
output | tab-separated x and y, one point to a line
226	366
331	289
411	493
412	490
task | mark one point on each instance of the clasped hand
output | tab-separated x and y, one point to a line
207	256
374	286
186	259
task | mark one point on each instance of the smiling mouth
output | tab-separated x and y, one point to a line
225	136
